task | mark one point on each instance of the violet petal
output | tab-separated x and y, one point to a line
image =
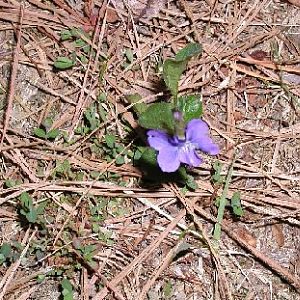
168	159
189	157
197	132
195	129
207	145
158	139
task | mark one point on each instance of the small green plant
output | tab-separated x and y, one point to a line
235	201
39	246
12	182
67	289
40	278
9	253
82	48
79	39
168	290
106	237
98	209
88	252
45	132
236	205
91	120
62	169
117	151
222	202
5	253
64	63
129	59
50	135
217	177
29	211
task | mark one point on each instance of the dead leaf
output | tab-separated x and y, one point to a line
245	235
112	16
142	9
256	100
278	234
259	54
294	2
291	78
238	116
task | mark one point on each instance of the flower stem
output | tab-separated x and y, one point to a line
179	125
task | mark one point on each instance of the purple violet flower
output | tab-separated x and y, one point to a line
172	150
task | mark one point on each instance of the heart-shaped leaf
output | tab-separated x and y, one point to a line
158	116
172	71
173	68
190	106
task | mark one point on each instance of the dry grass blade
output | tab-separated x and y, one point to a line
167	260
13	77
8	277
145	253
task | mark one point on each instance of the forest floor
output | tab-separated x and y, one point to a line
81	218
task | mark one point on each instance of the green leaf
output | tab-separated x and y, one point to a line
76	32
191	183
40	132
67	289
139	108
86	49
129	55
110	140
188	51
173	68
28	210
92	118
26	200
31	215
172	71
167	289
79	43
11	182
53	133
5	250
63	63
40	278
217	178
102	97
120	160
83	59
2	259
66	285
65	35
40	209
158	116
190	106
236	204
88	251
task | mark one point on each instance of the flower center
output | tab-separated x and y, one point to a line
187	146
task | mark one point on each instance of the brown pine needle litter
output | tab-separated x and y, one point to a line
80	218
